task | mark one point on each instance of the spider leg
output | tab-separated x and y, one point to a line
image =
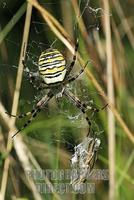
79	104
82	106
77	75
74	59
32	75
21	115
35	111
34	78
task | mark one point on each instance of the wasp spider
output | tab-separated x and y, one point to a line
54	74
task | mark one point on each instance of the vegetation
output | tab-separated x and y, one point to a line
106	38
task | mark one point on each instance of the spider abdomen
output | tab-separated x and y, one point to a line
52	66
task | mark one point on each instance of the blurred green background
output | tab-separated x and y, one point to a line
60	126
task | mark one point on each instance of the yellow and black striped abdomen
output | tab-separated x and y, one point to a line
52	66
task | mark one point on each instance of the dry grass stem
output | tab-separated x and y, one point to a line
54	25
88	43
110	91
125	23
88	72
107	40
16	98
12	22
25	156
21	151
